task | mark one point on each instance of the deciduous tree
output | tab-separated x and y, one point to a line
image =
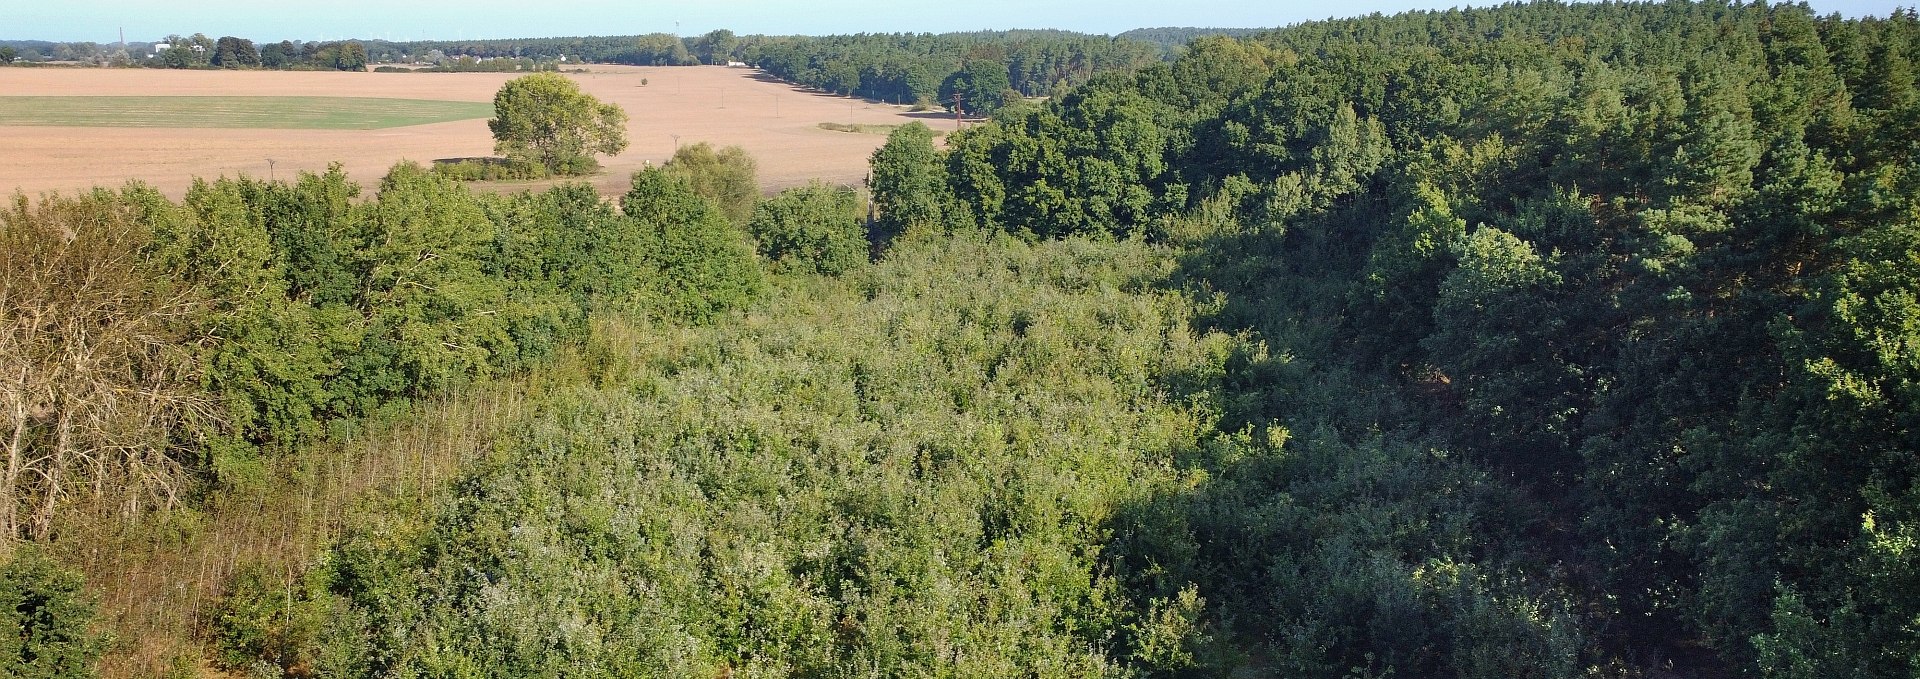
544	119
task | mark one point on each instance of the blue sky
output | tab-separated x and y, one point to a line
99	20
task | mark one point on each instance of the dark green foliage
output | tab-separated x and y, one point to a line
350	56
985	68
815	229
1541	340
232	52
1172	39
278	55
44	618
909	185
980	86
717	47
699	265
1635	262
1085	166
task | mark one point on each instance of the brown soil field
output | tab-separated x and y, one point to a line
775	122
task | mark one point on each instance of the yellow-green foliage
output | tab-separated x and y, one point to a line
145	338
725	177
908	471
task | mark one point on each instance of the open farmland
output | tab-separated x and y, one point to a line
777	123
323	113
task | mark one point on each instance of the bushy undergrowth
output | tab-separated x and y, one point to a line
979	457
493	169
44	619
913	470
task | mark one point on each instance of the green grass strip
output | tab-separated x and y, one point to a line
859	128
306	113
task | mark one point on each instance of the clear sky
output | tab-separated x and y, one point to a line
100	20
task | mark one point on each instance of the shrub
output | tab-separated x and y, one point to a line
701	264
48	614
488	169
725	177
814	229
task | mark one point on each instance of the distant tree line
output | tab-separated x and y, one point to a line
986	69
1173	39
200	51
978	72
92	53
982	71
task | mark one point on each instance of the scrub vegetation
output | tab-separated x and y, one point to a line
1534	341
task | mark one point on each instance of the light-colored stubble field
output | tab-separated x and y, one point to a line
776	123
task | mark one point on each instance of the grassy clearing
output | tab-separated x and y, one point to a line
859	128
156	581
319	113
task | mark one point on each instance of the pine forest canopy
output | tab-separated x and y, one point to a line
1540	340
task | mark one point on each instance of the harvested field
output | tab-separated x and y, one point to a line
318	113
777	123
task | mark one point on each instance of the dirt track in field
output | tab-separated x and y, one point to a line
776	123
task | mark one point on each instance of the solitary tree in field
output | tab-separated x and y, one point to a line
545	119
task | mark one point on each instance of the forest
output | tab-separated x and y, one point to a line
985	69
1540	340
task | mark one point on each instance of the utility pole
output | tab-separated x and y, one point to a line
956	111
